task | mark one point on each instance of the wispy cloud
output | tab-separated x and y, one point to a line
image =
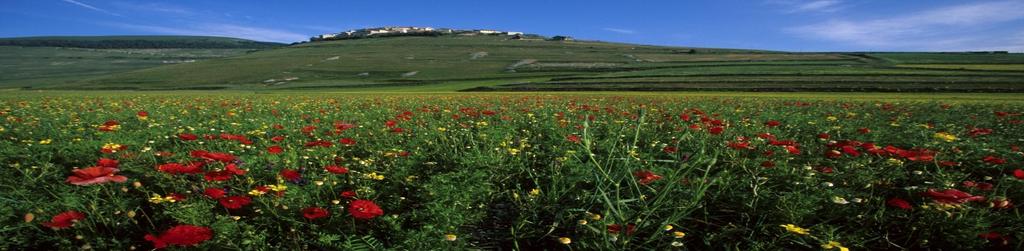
802	6
154	7
957	27
87	6
620	31
219	29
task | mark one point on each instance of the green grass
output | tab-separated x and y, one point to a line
518	170
495	63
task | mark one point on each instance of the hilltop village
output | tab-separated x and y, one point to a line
423	31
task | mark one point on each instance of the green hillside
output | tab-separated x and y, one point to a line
36	62
138	42
498	63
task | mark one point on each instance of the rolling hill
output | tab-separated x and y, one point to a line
35	62
499	63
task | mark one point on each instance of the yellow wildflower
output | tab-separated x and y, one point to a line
277	188
450	237
564	240
795	229
945	136
834	244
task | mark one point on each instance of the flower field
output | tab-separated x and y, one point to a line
523	171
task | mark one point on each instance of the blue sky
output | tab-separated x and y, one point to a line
791	25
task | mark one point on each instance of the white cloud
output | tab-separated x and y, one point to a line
220	29
817	6
956	27
620	31
87	6
154	7
803	6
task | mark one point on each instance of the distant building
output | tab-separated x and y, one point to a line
407	31
561	38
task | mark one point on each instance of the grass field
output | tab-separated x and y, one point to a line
497	63
299	169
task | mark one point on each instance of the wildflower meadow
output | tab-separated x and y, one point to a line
511	172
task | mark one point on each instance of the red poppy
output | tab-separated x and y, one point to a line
768	164
772	123
1019	173
142	114
616	228
175	168
646	177
319	143
669	149
218	175
864	130
793	150
64	220
290	174
739	145
347	141
336	169
187	137
95	175
313	213
277	138
275	149
716	130
573	138
994	160
213	156
215	193
109	126
105	162
235	202
952	196
899	203
181	235
824	136
348	194
1001	203
364	209
390	123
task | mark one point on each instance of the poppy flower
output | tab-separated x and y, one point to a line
952	196
319	143
716	130
768	164
573	138
64	220
364	209
1019	173
215	193
213	156
994	160
105	162
142	114
646	177
1001	203
218	175
336	169
277	138
187	137
235	202
313	213
899	203
616	229
275	150
290	174
180	235
794	150
348	194
669	149
864	130
347	141
772	123
109	126
95	175
175	168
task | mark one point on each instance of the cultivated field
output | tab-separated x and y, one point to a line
498	63
688	171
